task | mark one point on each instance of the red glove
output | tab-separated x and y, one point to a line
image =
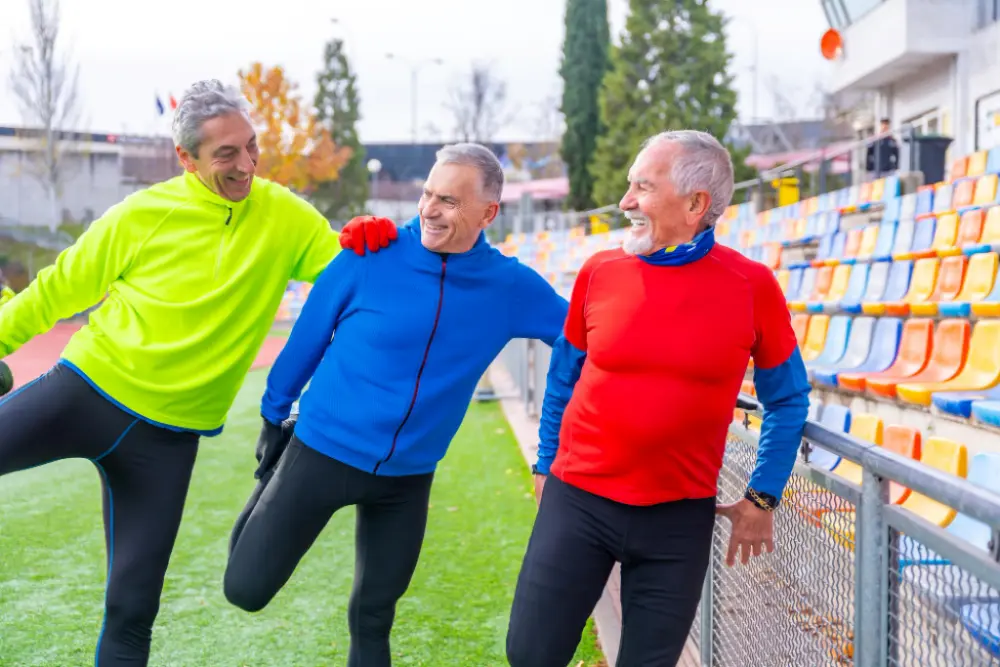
367	230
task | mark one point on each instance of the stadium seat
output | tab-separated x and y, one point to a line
797	299
892	210
976	164
990	306
959	167
783	276
866	246
922	283
986	190
987	412
856	285
980	371
925	202
830	254
949	283
993	161
914	350
868	349
989	239
948	351
886	236
907	206
863	427
905	441
836	418
838	289
836	342
904	238
923	239
815	341
982	621
896	287
852	243
945	233
874	282
943	194
970	228
947	456
963	195
824	278
800	325
979	280
959	403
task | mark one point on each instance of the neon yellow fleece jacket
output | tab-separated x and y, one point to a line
193	284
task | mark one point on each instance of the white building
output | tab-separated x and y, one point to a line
933	64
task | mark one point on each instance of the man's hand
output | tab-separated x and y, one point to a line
752	528
539	487
271	443
368	231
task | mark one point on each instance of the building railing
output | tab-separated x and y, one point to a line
854	578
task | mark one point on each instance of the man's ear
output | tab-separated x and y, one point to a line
491	214
186	160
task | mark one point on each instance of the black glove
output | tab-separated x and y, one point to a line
271	443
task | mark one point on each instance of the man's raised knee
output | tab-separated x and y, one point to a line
245	592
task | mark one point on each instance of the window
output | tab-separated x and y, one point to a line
926	123
842	13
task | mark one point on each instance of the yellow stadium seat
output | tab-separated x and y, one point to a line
976	166
981	370
922	282
869	239
878	189
838	284
991	229
945	455
815	337
782	277
986	190
970	228
863	427
949	284
945	234
979	278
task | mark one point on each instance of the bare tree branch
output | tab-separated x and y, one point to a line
44	82
478	105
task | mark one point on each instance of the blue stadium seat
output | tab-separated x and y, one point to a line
993	161
872	347
896	287
794	284
893	208
923	237
836	342
836	418
925	202
886	238
891	188
982	621
903	241
959	403
856	287
987	412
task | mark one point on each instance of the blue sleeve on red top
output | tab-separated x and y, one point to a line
564	371
537	310
784	393
782	387
324	307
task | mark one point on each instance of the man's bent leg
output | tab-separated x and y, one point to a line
57	416
569	558
667	556
146	477
389	534
293	508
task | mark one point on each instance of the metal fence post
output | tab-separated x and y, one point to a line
871	582
707	620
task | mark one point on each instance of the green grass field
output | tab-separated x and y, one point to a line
52	564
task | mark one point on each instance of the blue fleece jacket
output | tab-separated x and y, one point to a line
395	343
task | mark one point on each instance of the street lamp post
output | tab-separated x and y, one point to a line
415	66
374	167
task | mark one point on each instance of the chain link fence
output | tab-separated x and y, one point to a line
855	579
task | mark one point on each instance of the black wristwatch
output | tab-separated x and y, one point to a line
535	470
764	501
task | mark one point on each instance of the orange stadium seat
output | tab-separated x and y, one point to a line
948	352
905	441
981	369
949	284
914	353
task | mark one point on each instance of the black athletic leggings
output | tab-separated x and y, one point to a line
145	472
664	551
287	512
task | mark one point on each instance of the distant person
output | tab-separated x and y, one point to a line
639	398
194	270
882	157
394	346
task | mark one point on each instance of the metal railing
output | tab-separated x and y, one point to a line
854	579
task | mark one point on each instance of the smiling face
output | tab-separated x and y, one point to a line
453	209
227	156
661	217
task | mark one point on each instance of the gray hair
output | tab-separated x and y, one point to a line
702	164
203	101
480	157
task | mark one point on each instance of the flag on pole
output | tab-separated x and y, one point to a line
173	103
159	105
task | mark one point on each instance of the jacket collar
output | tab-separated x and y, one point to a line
202	193
478	249
685	253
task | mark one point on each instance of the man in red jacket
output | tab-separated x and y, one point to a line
640	394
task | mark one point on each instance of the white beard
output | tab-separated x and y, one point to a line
639	239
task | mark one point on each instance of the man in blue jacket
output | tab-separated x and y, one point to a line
394	345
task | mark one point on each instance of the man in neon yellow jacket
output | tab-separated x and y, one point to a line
193	270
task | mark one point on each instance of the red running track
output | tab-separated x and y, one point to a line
41	353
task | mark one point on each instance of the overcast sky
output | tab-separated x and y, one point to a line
128	52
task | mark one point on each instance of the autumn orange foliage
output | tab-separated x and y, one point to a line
295	150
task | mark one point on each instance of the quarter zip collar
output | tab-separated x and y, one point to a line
202	193
433	259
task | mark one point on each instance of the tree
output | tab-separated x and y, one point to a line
338	111
295	149
44	82
671	71
584	66
478	105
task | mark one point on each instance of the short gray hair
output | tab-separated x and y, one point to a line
480	157
702	164
203	101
